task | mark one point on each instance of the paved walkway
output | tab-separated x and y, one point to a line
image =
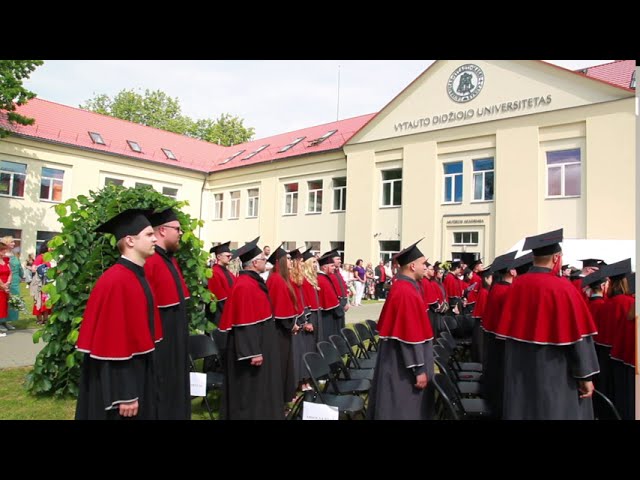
18	350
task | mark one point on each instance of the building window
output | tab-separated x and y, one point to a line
288	246
113	181
633	80
291	145
563	173
96	138
169	154
16	235
12	178
291	199
217	206
388	248
314	247
339	246
465	238
254	202
453	182
135	146
392	188
483	179
234	205
51	184
315	197
170	192
42	237
143	185
339	194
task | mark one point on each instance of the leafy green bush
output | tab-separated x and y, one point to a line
82	256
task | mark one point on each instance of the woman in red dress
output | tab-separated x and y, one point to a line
41	312
5	280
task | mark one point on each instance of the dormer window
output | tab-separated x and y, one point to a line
169	154
96	138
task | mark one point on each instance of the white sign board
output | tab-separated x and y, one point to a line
198	384
319	411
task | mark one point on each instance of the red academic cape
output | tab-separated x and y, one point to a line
543	308
496	299
623	334
115	325
429	291
338	282
280	295
248	304
404	317
577	282
595	305
481	303
327	294
472	296
219	282
310	295
161	281
452	285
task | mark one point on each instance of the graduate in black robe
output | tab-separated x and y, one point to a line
550	357
171	293
402	387
332	312
120	329
253	380
221	281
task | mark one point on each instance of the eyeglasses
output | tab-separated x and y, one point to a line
177	229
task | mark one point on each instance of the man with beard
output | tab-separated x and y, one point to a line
170	291
120	329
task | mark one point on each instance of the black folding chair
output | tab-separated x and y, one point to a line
603	407
373	326
353	340
464	389
203	347
365	335
449	343
445	408
465	408
338	367
345	350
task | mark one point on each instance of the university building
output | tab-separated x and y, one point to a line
473	155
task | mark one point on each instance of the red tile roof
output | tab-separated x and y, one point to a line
71	126
618	73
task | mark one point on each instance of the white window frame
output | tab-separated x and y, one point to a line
453	184
175	197
292	195
234	205
562	167
392	188
12	178
104	184
466	232
218	206
253	203
341	193
312	205
482	173
52	182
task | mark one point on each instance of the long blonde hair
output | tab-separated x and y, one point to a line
297	276
310	273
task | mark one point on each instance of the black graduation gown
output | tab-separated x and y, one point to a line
172	354
104	382
331	312
251	393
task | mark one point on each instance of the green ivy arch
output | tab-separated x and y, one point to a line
83	256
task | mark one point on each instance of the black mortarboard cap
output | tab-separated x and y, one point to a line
221	248
503	262
631	280
523	263
436	265
249	250
564	267
409	254
327	258
544	244
467	258
486	271
618	269
277	254
596	277
162	217
474	262
307	254
591	262
295	253
127	222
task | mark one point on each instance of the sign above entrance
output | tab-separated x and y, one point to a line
465	83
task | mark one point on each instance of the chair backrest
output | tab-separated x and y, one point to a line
450	340
330	353
220	338
365	334
354	341
441	352
444	344
373	326
344	349
202	346
445	403
318	369
603	407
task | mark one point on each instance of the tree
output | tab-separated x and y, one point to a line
12	93
157	109
83	255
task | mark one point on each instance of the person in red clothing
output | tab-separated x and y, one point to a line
589	265
331	310
380	276
221	281
402	387
120	329
171	294
5	283
549	357
40	309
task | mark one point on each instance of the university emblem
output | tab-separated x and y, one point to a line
465	83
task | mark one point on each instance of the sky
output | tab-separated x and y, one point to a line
272	96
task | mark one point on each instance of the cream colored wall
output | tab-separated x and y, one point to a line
272	226
83	172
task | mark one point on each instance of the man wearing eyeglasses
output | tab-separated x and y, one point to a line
170	292
221	282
